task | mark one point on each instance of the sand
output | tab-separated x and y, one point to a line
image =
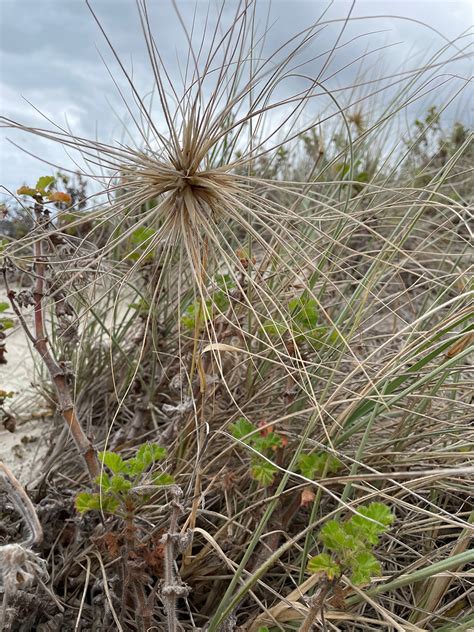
22	450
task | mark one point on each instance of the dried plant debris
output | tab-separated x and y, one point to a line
252	315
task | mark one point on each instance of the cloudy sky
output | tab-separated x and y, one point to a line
53	56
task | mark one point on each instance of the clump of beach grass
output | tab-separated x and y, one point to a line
265	266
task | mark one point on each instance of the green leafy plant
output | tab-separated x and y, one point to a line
117	493
303	324
5	322
139	244
265	441
205	311
141	306
316	463
44	189
350	544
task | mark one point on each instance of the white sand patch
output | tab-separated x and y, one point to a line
23	449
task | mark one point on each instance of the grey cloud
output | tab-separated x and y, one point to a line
49	56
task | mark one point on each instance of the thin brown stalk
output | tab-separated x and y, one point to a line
316	605
172	588
40	342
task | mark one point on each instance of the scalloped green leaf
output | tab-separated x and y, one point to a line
263	472
267	443
140	241
44	182
324	563
103	480
304	312
6	323
87	502
314	464
120	485
113	461
163	479
109	504
149	453
370	522
335	537
273	328
364	566
241	428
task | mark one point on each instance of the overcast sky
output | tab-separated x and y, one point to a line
50	57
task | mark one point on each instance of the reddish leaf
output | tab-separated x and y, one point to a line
59	196
307	497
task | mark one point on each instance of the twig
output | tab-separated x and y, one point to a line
316	606
40	342
173	541
19	565
23	505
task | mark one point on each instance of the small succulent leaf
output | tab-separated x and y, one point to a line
324	563
4	306
113	461
364	566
